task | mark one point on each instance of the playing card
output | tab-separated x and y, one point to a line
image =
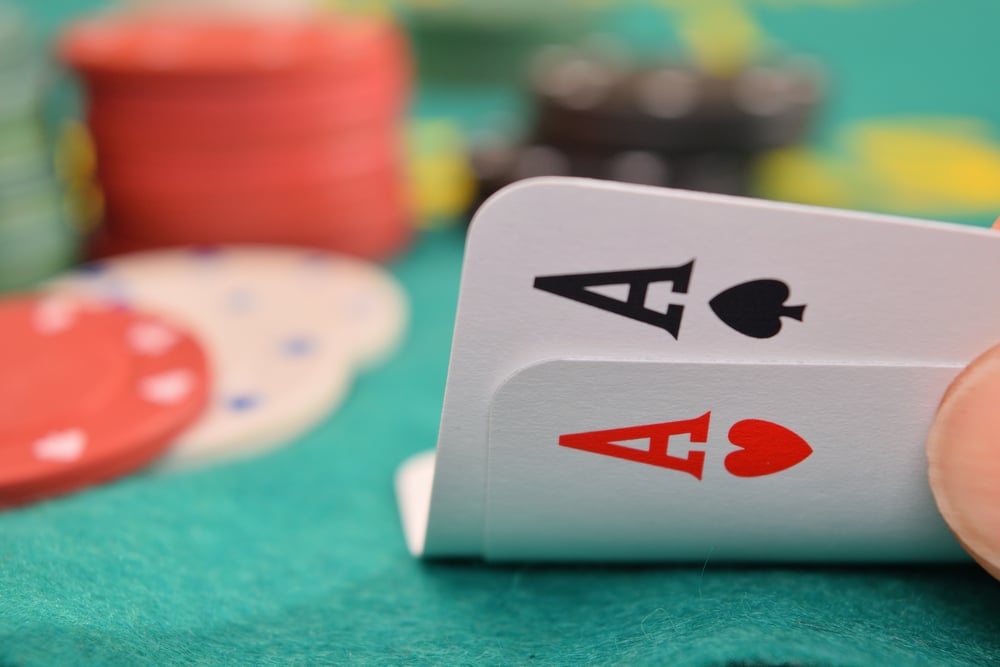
619	460
566	268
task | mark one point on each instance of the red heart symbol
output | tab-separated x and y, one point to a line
766	448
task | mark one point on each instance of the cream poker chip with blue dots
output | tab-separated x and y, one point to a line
285	330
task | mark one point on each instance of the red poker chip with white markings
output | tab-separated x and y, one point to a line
89	392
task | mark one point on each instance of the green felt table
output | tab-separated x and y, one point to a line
298	558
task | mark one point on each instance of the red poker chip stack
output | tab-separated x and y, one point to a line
212	131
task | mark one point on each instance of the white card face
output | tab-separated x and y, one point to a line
562	268
629	461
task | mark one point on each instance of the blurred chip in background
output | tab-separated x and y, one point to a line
36	238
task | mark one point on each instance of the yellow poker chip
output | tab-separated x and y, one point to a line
442	179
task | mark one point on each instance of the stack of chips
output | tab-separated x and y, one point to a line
234	130
35	237
667	125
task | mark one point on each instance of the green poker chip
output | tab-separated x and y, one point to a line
25	164
16	41
23	66
17	130
42	248
18	168
51	238
25	260
21	89
35	264
23	204
24	153
35	245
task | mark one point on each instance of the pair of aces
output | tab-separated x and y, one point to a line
647	374
753	308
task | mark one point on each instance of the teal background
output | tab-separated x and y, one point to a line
297	558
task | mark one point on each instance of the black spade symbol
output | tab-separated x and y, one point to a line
755	308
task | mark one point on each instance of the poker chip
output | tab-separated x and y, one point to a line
268	214
361	216
246	169
133	45
584	101
498	165
222	129
36	238
14	39
90	392
441	176
20	201
187	120
358	233
286	330
660	124
35	262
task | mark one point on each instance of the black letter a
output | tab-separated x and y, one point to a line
574	286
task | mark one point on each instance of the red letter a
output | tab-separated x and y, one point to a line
602	442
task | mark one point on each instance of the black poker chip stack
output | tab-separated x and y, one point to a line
667	125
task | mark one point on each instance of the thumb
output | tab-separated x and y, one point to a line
963	451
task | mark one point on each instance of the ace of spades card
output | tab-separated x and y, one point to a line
645	374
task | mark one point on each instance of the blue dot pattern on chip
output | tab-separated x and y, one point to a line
299	346
242	402
206	252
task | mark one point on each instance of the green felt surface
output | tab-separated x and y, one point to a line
298	558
